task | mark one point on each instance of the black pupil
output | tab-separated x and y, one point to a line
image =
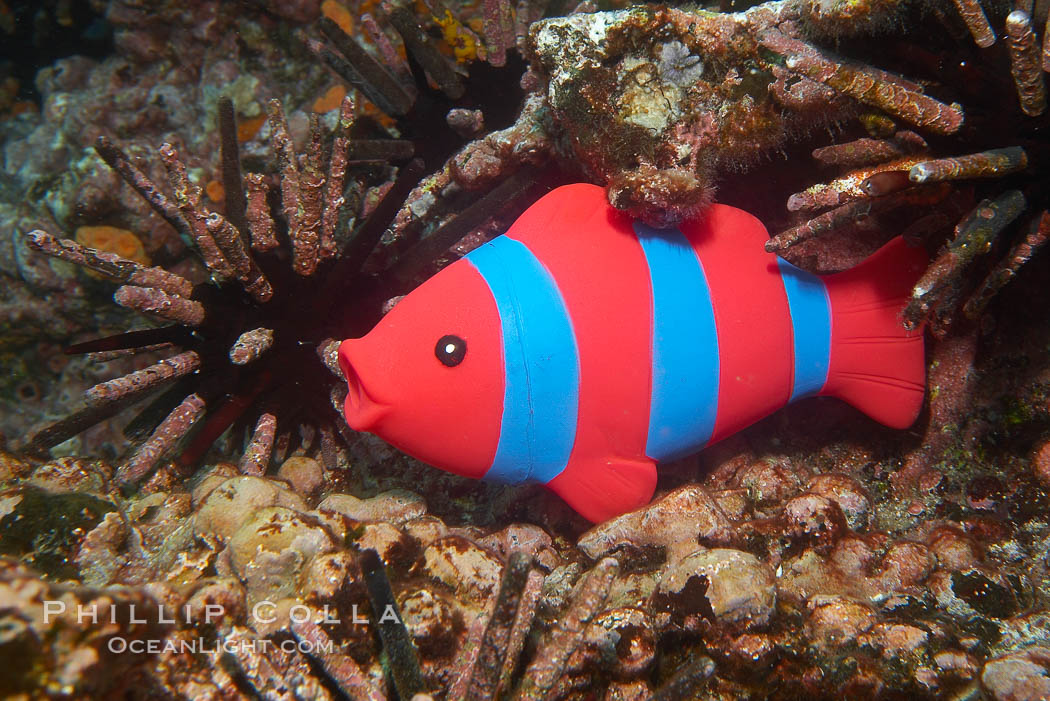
450	350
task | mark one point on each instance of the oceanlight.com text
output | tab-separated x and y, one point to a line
119	645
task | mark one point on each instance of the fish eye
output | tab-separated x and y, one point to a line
450	350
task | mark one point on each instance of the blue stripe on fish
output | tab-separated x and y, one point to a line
540	360
684	400
811	328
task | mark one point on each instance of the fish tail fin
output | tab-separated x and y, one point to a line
876	364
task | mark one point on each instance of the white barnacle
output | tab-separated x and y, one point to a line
678	65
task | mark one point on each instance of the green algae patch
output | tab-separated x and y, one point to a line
44	529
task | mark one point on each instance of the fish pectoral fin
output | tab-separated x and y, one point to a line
601	489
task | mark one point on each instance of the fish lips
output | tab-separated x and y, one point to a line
362	410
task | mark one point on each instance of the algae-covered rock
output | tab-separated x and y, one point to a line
45	529
233	502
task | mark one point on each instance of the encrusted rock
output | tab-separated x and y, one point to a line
60	635
905	564
12	467
269	550
845	491
633	589
468	569
836	621
729	587
276	529
218	601
425	529
895	639
752	650
396	506
636	644
767	482
809	575
149	505
733	502
1019	676
210	478
273	616
521	536
646	191
329	574
957	664
433	623
304	474
387	542
628	691
954	549
853	557
650	100
64	475
814	519
232	503
557	587
1041	464
687	515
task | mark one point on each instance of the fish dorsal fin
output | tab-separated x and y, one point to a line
566	210
748	233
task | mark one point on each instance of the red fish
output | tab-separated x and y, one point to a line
581	348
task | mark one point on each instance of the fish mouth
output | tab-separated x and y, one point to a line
361	409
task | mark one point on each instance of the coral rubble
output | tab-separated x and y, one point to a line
808	577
